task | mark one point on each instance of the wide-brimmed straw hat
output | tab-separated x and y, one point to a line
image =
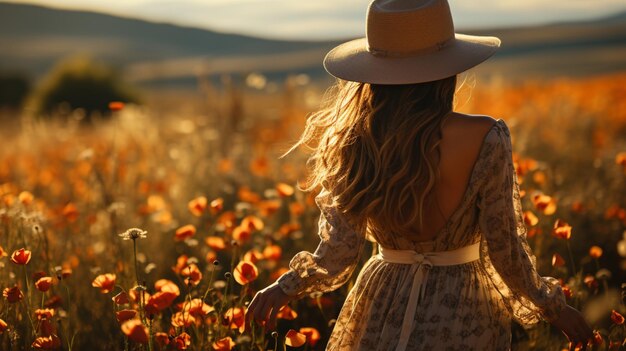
408	41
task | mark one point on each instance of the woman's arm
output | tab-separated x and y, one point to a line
507	251
326	269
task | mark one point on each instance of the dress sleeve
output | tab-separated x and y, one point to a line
334	260
505	253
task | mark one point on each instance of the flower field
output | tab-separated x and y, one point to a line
152	231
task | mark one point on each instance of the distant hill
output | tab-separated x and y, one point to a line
33	38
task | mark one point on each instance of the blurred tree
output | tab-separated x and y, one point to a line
79	82
13	89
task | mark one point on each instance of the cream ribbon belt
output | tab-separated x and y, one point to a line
420	265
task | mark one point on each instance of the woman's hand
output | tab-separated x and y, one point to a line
266	304
572	323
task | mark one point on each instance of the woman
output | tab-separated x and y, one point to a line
434	188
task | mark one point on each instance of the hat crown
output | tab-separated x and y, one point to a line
406	27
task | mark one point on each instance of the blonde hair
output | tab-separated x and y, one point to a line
374	147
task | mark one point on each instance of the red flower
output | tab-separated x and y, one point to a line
294	339
116	105
106	282
13	294
135	331
224	344
185	232
182	341
312	335
197	206
234	318
617	318
21	256
124	315
245	272
47	342
121	298
43	284
595	252
193	274
562	230
557	260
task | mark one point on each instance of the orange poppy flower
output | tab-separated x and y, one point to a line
162	339
121	298
216	243
562	230
294	339
135	331
3	253
44	313
160	301
595	252
185	232
246	195
234	318
182	341
167	285
597	338
43	284
591	282
284	190
530	219
3	326
124	315
13	294
567	291
224	344
245	272
47	342
272	252
192	274
106	282
253	256
617	318
288	228
253	223
21	256
242	234
216	205
269	207
198	205
196	307
70	212
181	263
544	203
182	319
312	335
26	198
287	313
116	105
620	159
296	209
557	260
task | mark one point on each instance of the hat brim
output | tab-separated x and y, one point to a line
351	61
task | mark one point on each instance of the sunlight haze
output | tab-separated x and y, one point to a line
327	19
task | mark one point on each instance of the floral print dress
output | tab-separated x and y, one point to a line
464	307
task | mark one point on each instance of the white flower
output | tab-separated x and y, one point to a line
134	233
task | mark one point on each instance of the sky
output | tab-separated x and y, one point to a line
331	19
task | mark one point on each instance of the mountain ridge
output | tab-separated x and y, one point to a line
38	36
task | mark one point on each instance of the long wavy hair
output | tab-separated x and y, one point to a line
375	148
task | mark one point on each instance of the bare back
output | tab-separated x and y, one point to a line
462	138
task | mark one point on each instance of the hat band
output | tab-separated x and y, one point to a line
386	53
